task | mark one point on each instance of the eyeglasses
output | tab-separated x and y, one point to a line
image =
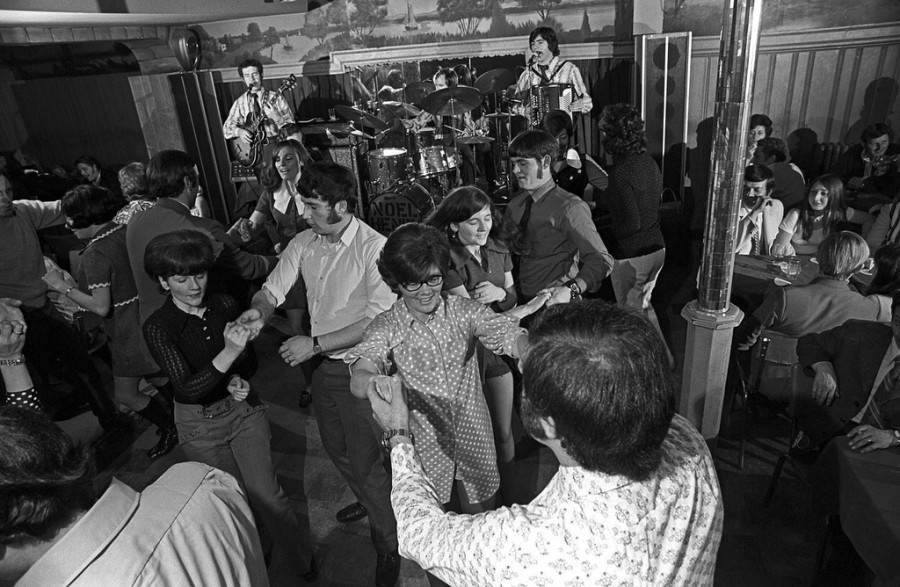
432	281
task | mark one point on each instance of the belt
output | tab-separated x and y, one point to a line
215	409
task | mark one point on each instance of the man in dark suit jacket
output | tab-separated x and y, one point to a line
848	363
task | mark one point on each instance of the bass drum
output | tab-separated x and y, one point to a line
389	210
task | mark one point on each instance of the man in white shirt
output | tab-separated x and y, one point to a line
760	215
191	527
337	258
636	500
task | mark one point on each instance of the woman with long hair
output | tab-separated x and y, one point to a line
481	269
824	211
197	341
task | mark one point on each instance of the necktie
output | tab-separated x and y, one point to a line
256	107
519	244
884	409
526	215
754	240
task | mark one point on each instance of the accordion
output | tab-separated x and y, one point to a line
549	97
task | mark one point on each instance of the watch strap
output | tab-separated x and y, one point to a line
317	348
393	432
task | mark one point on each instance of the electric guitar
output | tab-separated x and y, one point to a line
248	153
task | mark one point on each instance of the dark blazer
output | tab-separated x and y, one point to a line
856	349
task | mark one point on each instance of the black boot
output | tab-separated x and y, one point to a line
168	436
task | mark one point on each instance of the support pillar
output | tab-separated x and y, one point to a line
712	318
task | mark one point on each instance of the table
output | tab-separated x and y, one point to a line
754	275
864	490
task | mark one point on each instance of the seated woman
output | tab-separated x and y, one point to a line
428	339
207	357
481	269
823	212
112	294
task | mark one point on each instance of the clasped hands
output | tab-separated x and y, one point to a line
387	397
12	328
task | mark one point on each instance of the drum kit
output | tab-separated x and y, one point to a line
407	179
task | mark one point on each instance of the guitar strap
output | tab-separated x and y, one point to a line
546	79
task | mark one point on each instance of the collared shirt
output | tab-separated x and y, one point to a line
560	236
585	528
436	359
274	106
191	527
467	271
184	345
343	285
21	257
557	72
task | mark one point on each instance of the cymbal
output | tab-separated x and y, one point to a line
415	92
349	130
452	101
401	109
474	140
495	81
362	118
498	115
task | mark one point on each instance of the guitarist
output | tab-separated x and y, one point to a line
255	104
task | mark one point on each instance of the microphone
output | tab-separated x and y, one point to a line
532	59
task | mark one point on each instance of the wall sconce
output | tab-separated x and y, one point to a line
185	44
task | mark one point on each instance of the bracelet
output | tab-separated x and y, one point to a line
574	289
12	362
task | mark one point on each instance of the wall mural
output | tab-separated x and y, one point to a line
358	24
704	17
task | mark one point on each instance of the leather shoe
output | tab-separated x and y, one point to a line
351	513
387	569
168	440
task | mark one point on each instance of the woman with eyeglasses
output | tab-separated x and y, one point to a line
207	356
428	340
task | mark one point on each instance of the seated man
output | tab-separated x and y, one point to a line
192	527
598	394
759	215
871	166
856	386
790	186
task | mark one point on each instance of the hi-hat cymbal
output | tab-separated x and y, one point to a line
495	81
452	101
358	116
474	140
401	109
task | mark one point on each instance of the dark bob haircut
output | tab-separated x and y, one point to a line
549	35
623	130
410	253
600	371
45	479
459	205
887	270
87	160
534	144
763	121
89	204
875	130
772	147
329	182
167	171
183	252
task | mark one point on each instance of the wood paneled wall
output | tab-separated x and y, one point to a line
833	82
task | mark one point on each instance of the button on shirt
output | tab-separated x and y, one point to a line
343	285
436	358
191	527
560	236
585	528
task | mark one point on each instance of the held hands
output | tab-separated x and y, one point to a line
559	294
488	293
296	350
824	388
865	438
536	303
56	280
10	312
386	394
252	320
239	388
12	339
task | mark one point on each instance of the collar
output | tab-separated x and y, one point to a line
346	237
107	229
87	539
540	192
407	319
174	205
551	65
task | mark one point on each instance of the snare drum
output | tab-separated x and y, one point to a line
388	168
432	156
389	210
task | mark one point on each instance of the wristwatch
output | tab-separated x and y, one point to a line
574	289
317	348
389	434
896	432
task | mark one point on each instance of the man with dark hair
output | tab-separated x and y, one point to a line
546	68
759	215
575	171
254	103
871	166
598	393
192	524
557	245
91	172
337	259
790	186
174	182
